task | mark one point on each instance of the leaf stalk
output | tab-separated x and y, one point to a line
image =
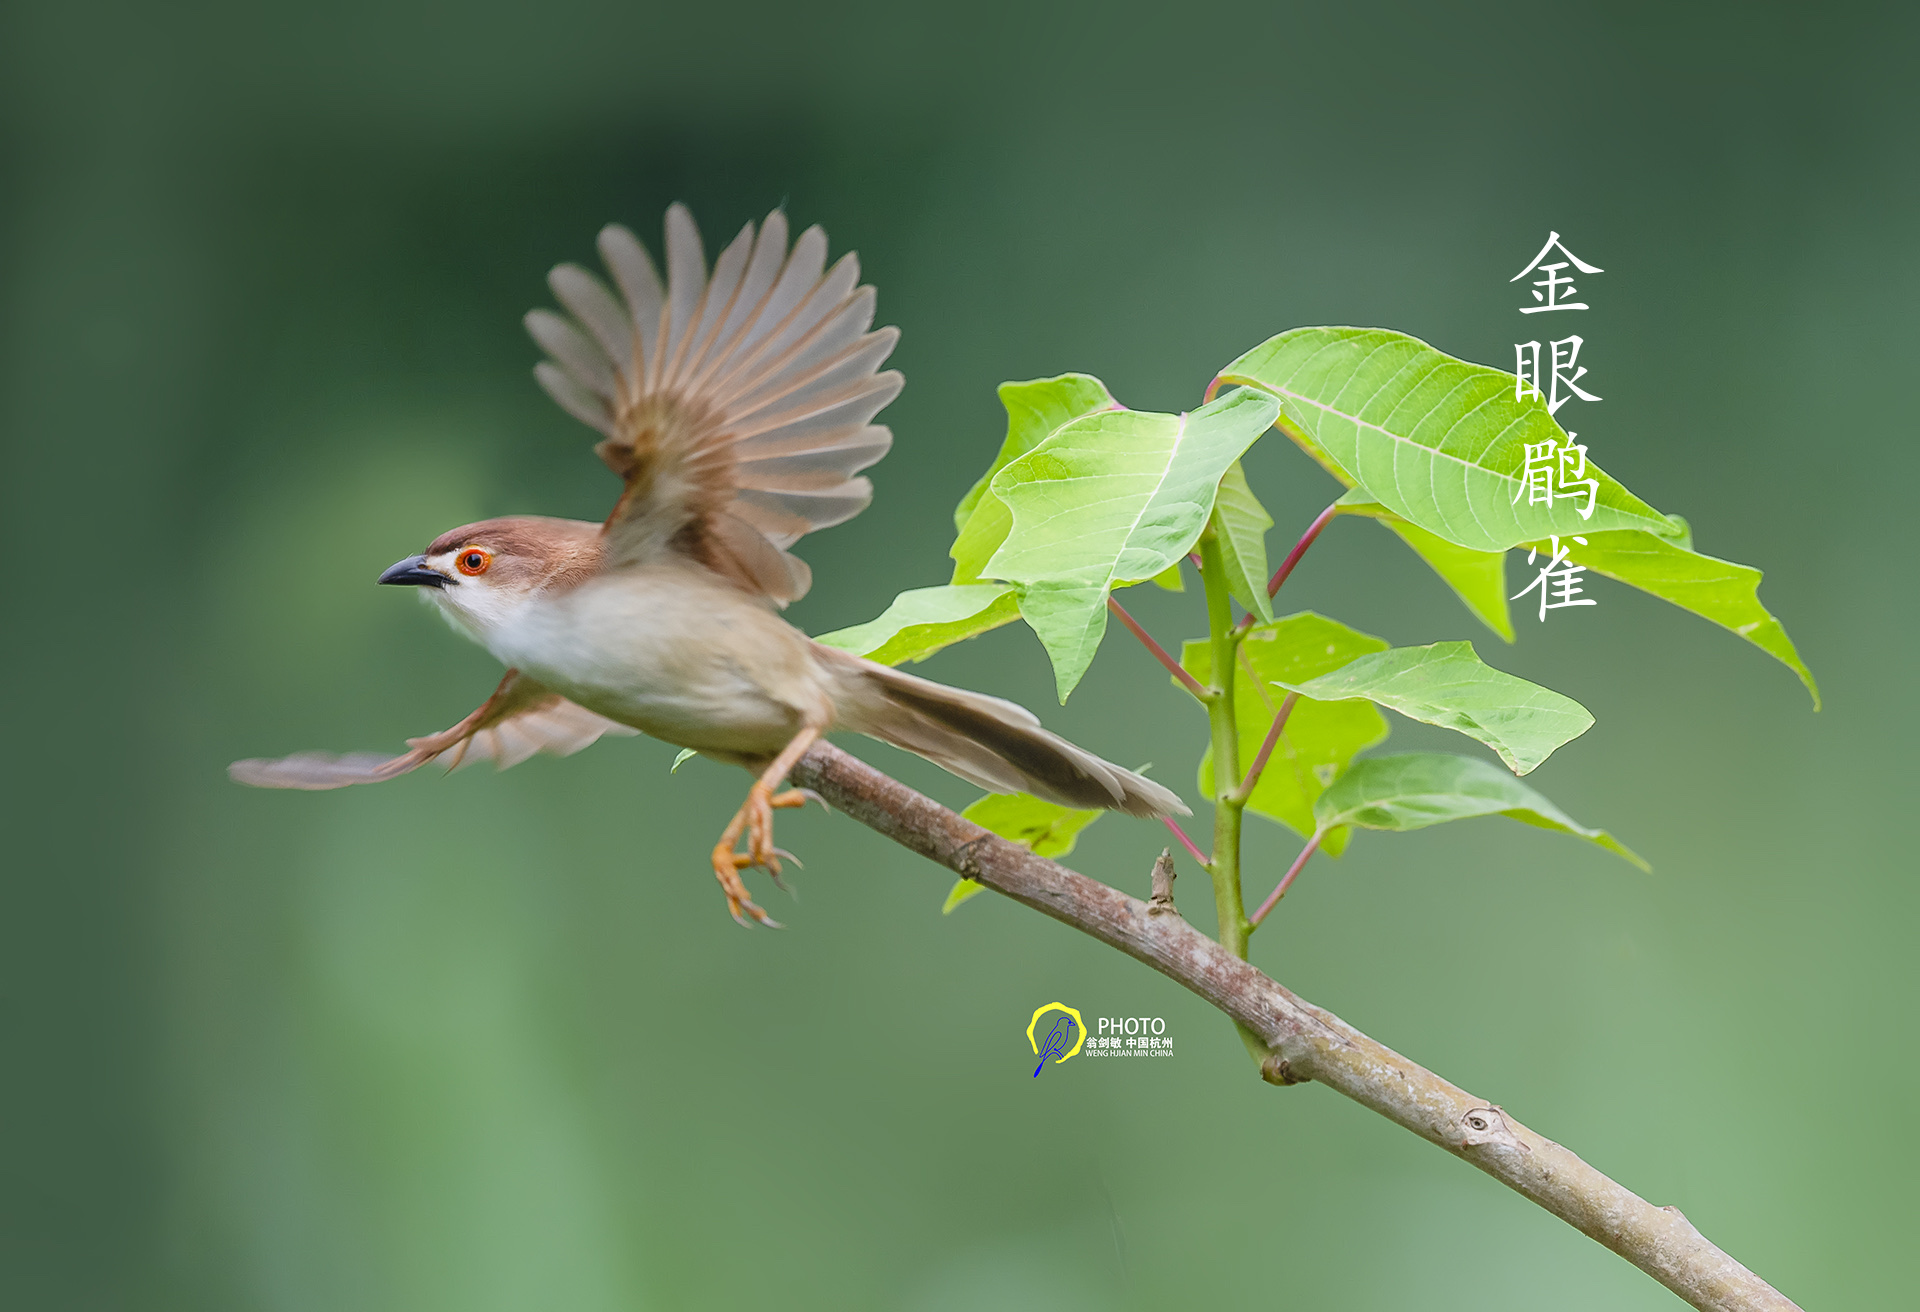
1320	522
1245	791
1160	653
1200	858
1280	889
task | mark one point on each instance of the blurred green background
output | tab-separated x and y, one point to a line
491	1042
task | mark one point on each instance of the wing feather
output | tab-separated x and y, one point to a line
737	405
560	729
576	400
806	423
589	301
582	359
521	718
800	275
817	468
769	258
774	351
633	271
844	394
748	552
785	517
717	302
832	345
686	284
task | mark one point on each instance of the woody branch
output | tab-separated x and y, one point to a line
1304	1042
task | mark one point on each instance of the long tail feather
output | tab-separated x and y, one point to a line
987	741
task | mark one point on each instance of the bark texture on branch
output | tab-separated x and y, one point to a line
1307	1043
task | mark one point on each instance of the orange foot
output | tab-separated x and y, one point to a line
755	819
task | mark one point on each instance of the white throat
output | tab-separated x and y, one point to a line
478	609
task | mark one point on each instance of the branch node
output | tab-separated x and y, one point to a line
1275	1070
1488	1125
1161	903
963	863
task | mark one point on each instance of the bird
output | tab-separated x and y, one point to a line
736	405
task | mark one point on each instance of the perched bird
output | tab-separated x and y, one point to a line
736	405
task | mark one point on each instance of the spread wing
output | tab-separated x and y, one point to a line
521	718
736	405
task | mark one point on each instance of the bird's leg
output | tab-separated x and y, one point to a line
755	818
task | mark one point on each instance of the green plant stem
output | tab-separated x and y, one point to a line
1228	805
1225	867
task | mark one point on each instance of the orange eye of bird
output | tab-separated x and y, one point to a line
473	561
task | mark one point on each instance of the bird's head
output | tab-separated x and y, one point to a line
481	574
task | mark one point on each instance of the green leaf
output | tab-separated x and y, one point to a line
1438	441
980	539
1043	828
1240	523
1113	497
1169	579
686	754
1320	737
922	621
1478	578
1718	590
960	892
1035	411
1417	790
1448	685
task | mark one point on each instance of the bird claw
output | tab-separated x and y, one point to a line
727	865
761	918
756	816
738	903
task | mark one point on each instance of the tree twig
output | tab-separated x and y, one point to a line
1163	876
1305	1042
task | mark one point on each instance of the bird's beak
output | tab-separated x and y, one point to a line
413	572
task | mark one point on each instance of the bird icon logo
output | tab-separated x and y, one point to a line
1068	1029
